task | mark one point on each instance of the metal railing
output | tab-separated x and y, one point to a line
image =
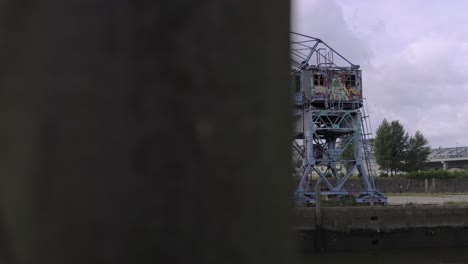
448	153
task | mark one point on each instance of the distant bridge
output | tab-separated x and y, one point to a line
447	158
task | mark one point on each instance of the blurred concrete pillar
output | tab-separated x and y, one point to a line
445	165
145	132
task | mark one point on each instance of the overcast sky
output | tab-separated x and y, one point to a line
413	54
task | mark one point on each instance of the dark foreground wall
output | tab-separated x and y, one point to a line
145	132
357	228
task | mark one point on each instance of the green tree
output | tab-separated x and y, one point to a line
417	152
390	146
382	146
398	145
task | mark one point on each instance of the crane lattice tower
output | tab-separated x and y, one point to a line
329	126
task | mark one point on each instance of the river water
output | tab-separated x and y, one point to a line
392	256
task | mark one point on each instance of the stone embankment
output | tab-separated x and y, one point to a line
363	228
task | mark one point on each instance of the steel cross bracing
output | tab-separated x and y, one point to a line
448	153
330	126
306	50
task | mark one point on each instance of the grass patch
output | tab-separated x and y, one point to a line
436	174
456	203
422	194
414	194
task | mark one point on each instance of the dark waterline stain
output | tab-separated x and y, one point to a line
392	256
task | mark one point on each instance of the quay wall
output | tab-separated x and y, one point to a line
363	228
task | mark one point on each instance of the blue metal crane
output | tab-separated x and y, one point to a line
330	124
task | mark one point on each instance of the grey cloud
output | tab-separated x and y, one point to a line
325	20
414	68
